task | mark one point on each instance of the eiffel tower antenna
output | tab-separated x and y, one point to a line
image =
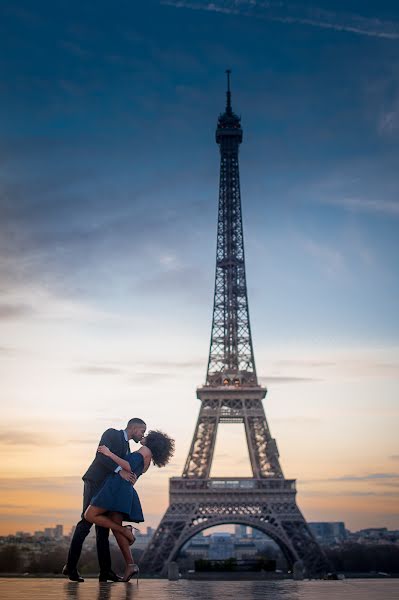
228	93
232	394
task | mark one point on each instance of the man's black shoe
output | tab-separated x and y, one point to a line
73	575
110	576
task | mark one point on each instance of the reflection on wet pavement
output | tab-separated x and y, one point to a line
153	589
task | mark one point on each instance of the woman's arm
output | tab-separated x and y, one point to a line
119	461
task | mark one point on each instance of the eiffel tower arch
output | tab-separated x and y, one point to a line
231	394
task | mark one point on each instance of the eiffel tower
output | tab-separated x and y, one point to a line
232	394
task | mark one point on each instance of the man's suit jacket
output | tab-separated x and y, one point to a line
104	465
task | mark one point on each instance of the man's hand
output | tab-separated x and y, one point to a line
128	476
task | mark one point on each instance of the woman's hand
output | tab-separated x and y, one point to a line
104	450
128	476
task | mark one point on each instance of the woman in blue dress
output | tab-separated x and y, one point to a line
117	499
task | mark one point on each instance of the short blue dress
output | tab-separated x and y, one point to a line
118	495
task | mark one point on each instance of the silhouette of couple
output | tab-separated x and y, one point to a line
109	496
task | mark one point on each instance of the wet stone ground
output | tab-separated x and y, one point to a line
150	589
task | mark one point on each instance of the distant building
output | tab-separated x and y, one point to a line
240	531
38	535
329	532
256	534
375	535
221	546
143	539
245	549
49	532
197	547
58	532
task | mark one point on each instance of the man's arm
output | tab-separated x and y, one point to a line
109	438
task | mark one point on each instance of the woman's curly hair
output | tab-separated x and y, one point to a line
161	446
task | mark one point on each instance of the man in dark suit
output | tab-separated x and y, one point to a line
100	468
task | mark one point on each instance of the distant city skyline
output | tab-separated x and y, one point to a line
108	207
320	529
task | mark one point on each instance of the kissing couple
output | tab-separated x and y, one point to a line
109	496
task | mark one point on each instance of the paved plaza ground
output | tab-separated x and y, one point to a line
152	589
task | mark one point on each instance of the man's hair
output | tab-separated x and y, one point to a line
136	421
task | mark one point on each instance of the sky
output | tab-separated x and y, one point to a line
108	207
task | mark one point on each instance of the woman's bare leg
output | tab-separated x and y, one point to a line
96	514
122	540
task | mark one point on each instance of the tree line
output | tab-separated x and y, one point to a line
364	558
349	558
15	560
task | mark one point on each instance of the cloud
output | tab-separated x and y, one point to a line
345	364
348	493
388	122
14	506
149	378
330	259
97	370
41	483
72	88
26	438
369	477
297	362
121	366
30	17
381	206
6	351
26	513
138	377
148	372
394	457
22	439
285	379
46	304
187	279
177	365
344	478
298	420
75	48
9	312
393	483
295	14
58	222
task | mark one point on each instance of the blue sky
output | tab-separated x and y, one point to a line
108	205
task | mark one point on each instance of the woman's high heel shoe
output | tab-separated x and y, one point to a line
135	571
130	528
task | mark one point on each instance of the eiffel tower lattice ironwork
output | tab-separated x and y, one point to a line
231	394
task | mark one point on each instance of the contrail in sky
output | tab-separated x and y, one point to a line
291	14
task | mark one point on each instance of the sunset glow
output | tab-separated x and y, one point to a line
108	208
